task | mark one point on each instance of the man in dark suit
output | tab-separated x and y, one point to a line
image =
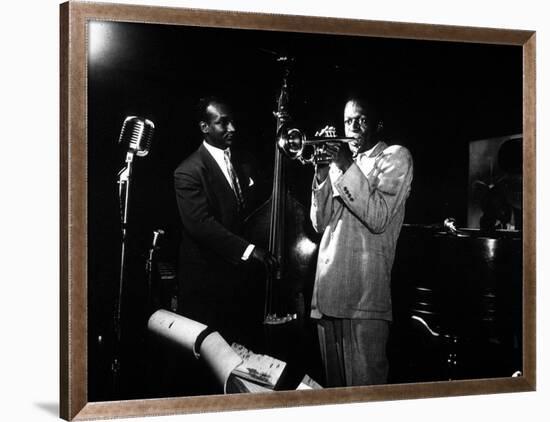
213	187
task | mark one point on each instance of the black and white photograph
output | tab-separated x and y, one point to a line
263	210
272	210
278	210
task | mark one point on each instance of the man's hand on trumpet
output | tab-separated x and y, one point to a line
339	153
321	169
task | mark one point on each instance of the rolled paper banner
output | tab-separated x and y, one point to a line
184	332
176	328
220	357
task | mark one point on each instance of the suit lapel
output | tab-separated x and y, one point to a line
380	146
220	186
240	171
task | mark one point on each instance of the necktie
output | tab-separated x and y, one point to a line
233	178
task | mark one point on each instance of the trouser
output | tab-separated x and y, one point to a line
353	351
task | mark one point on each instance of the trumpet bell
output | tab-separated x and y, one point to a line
291	142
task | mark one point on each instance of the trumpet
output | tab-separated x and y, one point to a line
296	146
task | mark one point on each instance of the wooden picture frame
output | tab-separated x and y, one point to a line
74	19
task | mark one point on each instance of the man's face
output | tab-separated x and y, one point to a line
357	125
219	129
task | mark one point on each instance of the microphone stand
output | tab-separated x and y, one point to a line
149	268
124	181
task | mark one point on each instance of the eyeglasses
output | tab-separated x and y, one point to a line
362	120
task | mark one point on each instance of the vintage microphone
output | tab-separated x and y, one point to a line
137	133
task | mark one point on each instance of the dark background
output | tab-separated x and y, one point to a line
436	97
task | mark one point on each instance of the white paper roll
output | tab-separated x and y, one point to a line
182	331
221	358
176	328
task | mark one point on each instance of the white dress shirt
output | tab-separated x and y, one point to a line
218	155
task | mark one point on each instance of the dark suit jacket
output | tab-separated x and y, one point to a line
210	269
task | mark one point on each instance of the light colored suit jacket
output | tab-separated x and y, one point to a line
360	214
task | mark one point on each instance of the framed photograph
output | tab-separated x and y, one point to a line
242	193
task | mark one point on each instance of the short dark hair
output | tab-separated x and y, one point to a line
202	106
370	105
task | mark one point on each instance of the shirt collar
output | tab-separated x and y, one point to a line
380	145
217	153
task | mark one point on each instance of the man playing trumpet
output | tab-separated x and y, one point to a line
358	203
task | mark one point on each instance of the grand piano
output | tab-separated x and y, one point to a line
457	297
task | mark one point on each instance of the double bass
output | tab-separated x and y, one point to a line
282	226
